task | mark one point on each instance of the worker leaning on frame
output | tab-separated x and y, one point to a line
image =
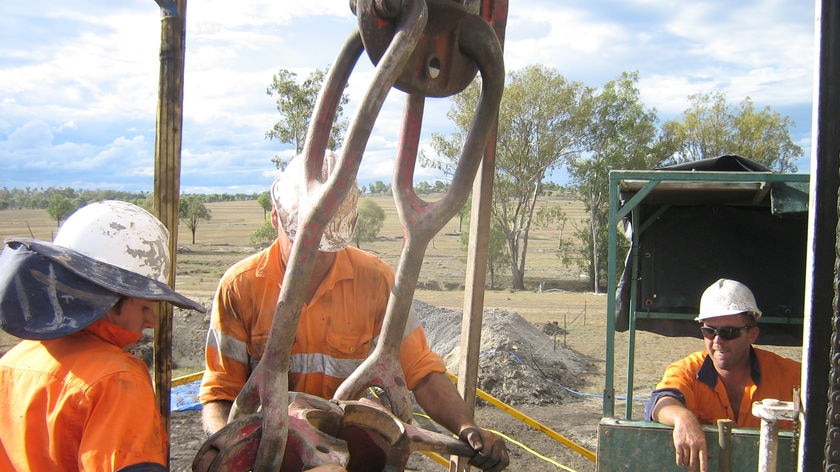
723	380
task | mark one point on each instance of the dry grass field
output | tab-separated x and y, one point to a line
226	238
570	303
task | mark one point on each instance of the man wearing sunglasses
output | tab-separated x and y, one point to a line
723	380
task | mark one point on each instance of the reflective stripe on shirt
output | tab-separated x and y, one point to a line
322	363
227	345
342	321
237	350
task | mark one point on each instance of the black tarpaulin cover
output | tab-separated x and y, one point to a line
687	247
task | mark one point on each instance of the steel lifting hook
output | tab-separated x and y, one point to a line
422	220
267	388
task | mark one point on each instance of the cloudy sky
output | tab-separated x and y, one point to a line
79	78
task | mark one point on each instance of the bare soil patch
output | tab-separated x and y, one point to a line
548	367
521	364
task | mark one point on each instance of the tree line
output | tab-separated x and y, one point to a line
546	124
40	198
60	203
549	123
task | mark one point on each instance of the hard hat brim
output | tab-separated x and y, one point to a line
40	299
755	314
48	291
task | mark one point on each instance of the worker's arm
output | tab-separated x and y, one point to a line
689	439
438	397
214	415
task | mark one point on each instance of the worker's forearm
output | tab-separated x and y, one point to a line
670	411
214	415
439	398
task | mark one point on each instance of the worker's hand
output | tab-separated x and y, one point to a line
491	451
690	444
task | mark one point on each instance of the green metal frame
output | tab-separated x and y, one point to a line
639	446
643	184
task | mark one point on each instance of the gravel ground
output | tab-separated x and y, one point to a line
520	364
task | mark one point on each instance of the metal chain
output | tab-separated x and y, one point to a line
832	443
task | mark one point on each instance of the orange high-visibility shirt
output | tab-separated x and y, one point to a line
695	377
336	331
79	402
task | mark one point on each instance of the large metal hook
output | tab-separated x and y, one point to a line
267	387
422	220
268	384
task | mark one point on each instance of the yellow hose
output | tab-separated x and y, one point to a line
484	396
442	461
531	422
534	453
437	458
187	378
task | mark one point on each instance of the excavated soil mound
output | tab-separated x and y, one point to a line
518	363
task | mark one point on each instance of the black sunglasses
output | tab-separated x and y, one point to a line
727	332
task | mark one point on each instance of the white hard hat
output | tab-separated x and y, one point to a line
120	234
102	252
727	297
293	203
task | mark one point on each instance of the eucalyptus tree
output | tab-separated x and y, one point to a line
497	254
622	134
264	200
192	211
542	119
59	207
296	103
710	127
371	219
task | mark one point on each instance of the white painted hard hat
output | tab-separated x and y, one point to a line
727	297
103	251
293	202
120	234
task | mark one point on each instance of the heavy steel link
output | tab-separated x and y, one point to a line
422	220
432	50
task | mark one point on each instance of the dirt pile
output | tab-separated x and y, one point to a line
518	363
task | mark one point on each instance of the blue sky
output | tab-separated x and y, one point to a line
79	78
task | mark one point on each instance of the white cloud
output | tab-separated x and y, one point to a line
33	135
79	78
221	15
115	156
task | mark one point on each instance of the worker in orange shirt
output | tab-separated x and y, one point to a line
723	380
338	326
71	396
